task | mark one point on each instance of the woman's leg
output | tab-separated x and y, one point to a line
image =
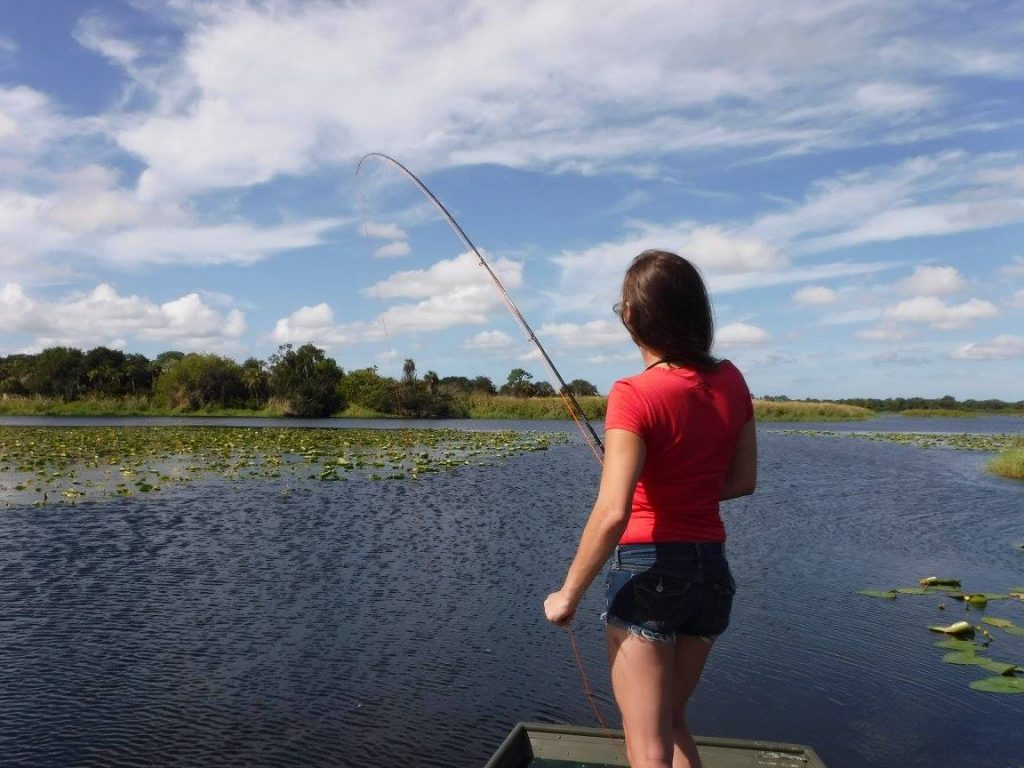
691	653
642	682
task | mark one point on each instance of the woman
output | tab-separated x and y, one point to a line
679	438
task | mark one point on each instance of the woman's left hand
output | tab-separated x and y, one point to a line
559	608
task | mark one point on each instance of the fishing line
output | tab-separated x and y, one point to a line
569	400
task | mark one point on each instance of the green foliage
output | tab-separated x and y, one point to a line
199	381
306	380
581	388
368	390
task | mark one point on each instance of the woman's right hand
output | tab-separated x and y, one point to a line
559	608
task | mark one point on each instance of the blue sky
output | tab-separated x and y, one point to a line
849	177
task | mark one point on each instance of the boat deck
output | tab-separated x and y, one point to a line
543	745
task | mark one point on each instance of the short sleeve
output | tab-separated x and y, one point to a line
747	405
625	409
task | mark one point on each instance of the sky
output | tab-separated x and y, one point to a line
848	177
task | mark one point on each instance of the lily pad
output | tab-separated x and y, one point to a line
995	622
1000	684
958	645
912	591
963	657
956	628
1015	631
938	581
1000	667
889	594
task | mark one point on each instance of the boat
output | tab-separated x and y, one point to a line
546	745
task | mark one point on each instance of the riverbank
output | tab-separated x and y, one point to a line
471	407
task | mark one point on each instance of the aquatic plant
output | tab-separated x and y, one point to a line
963	645
51	464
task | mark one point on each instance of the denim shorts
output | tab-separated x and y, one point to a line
661	591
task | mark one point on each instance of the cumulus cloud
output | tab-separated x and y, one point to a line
933	281
1014	270
535	85
815	296
391	250
737	335
93	317
463	271
938	314
1003	347
596	333
1016	300
489	341
884	332
315	324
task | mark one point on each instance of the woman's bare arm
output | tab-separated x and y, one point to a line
623	459
741	479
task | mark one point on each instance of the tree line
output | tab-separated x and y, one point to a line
301	381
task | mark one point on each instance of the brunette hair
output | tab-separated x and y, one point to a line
668	309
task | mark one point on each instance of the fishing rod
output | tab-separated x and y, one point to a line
568	398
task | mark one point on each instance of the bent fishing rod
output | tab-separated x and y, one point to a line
568	398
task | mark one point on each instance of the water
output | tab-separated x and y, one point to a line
362	624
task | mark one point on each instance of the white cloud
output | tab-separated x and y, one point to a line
234	243
938	314
737	335
884	332
463	271
596	333
384	231
535	85
815	296
890	98
96	35
1003	347
1014	270
715	251
933	281
489	341
1016	300
74	320
1012	177
392	250
314	324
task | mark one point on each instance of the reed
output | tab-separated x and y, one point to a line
791	410
1009	464
506	407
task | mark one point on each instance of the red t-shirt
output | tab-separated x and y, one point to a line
690	421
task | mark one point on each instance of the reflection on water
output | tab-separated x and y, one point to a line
270	623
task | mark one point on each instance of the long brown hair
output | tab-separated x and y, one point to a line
668	309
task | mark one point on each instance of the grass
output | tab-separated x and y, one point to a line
505	407
770	410
1009	464
475	406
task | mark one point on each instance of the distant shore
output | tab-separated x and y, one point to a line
472	407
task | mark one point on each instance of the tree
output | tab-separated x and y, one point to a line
408	371
518	384
367	388
201	381
542	389
581	388
58	372
307	380
483	385
430	380
256	381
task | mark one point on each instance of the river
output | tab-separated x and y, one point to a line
287	623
